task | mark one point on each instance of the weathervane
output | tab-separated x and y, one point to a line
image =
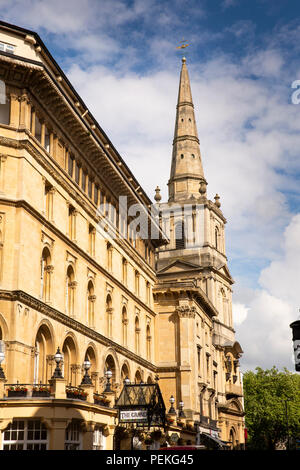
182	46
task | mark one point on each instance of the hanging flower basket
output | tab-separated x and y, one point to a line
17	391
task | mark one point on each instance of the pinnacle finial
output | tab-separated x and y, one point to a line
183	60
217	200
157	196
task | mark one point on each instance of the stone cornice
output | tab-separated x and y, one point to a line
35	304
191	289
40	76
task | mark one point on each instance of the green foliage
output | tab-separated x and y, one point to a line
272	407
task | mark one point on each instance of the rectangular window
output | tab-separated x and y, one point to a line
90	188
83	181
96	194
73	437
70	165
4	109
98	439
47	139
38	129
7	47
25	435
77	172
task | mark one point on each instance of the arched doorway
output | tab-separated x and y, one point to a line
232	438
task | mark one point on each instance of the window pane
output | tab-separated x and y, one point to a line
70	165
77	172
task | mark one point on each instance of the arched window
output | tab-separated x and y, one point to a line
138	377
124	372
46	270
109	313
148	339
109	253
179	236
43	350
148	293
124	271
137	335
90	304
124	326
137	283
69	359
70	291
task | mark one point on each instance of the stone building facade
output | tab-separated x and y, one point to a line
74	275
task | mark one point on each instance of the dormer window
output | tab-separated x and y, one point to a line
7	47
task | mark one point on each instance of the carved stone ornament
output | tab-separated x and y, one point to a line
186	311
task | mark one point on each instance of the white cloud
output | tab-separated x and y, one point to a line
266	315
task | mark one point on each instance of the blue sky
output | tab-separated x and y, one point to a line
243	57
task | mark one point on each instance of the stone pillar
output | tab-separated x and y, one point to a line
57	433
112	397
14	110
89	389
186	316
25	112
88	435
109	432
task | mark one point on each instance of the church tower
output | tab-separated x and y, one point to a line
193	294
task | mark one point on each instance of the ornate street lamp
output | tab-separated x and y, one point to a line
58	358
86	378
181	412
296	342
108	375
172	410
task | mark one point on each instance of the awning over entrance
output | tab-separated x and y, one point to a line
141	404
212	441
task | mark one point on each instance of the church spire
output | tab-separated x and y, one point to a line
186	170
